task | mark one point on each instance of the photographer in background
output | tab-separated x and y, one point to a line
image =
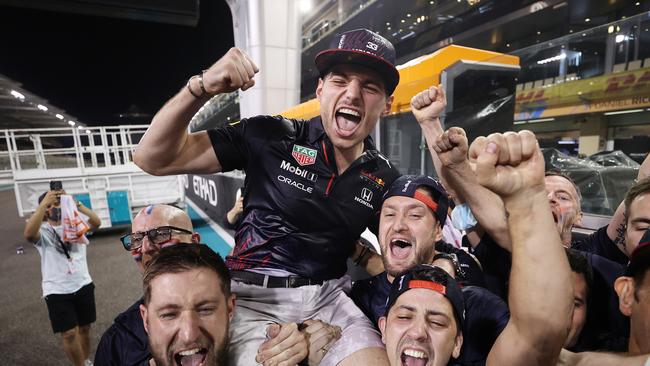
67	287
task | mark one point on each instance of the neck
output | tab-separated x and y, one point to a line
346	157
565	236
637	346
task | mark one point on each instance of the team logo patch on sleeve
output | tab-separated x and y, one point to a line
304	155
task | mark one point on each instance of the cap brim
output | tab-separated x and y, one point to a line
328	58
639	260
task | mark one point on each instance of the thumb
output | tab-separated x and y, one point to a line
486	163
273	330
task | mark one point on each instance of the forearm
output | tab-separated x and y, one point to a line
431	131
536	252
601	359
33	224
93	219
486	206
166	136
366	258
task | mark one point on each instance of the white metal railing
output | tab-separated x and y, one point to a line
52	148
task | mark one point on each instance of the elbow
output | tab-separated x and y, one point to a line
30	237
147	165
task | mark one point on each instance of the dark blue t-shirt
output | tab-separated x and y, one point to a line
125	342
606	328
599	243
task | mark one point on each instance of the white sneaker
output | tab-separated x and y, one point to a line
88	363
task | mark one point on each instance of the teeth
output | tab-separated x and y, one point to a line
189	352
414	353
400	240
349	111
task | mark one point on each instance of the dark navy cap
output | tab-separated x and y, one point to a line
640	258
433	278
362	47
407	186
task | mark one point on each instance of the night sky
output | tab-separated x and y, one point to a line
96	68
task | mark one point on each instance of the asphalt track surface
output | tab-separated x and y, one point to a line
26	336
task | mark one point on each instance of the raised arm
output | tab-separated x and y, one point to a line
448	151
487	207
540	297
33	226
167	147
93	219
427	106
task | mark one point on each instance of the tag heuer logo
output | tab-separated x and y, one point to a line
304	155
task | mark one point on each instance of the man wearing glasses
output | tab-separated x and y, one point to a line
154	227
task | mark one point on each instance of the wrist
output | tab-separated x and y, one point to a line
196	87
459	167
430	123
525	201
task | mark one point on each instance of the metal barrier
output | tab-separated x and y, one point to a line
94	163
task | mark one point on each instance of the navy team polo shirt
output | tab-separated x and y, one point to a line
300	215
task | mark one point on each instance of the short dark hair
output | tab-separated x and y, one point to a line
579	264
182	258
637	189
555	173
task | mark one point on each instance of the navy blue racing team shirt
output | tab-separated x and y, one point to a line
300	215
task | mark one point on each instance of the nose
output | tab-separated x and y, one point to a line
353	91
399	224
189	327
551	197
148	246
418	331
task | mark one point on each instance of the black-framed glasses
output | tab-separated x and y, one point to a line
156	236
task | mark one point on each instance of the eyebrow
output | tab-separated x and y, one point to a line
429	312
640	220
410	206
176	306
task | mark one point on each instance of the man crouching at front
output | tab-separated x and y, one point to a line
425	312
187	307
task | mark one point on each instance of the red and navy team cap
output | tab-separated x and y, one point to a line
640	258
362	47
433	278
407	186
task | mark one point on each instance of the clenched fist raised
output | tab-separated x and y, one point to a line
509	164
235	70
429	104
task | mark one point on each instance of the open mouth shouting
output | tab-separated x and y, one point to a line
413	357
400	248
191	357
347	120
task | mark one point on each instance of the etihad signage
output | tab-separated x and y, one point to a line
611	92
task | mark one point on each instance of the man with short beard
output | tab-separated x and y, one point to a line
153	228
410	232
187	307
